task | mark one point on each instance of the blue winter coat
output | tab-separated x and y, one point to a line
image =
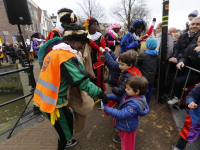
127	43
113	66
183	44
128	112
120	89
194	96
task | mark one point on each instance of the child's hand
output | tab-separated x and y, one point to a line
102	108
101	49
192	105
186	89
106	48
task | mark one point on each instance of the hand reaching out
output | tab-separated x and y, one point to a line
192	105
101	49
106	48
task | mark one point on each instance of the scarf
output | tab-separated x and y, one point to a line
158	37
114	33
66	47
39	40
136	37
151	52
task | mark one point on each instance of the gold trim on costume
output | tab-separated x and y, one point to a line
60	15
77	32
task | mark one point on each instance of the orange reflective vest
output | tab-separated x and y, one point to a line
47	88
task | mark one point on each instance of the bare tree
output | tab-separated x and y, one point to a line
81	20
91	8
130	10
140	11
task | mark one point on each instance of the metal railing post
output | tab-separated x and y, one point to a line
20	117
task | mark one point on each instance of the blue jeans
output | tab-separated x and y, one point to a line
149	93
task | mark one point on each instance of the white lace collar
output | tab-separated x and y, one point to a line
113	32
60	28
66	47
38	39
95	36
136	37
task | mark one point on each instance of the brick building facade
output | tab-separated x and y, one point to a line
9	33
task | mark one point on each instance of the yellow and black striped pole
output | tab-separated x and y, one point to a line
163	51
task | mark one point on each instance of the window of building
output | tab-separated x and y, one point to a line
37	27
44	23
29	7
27	36
35	14
32	26
26	27
29	27
18	38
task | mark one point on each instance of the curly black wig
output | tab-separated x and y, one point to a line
66	18
35	35
138	25
74	36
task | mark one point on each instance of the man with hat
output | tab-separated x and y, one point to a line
66	16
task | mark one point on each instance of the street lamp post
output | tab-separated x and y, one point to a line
54	19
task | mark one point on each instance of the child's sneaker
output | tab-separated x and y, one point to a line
117	146
117	139
175	148
173	101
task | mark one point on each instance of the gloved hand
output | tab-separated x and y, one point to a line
145	37
117	43
154	19
103	96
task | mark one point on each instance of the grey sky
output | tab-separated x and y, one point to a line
178	9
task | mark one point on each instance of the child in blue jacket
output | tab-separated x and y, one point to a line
132	105
113	66
190	130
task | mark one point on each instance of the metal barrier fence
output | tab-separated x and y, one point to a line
170	96
29	69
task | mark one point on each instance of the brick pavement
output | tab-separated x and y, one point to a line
156	131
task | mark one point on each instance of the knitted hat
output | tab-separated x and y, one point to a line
193	14
152	43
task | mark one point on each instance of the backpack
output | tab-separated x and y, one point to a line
28	47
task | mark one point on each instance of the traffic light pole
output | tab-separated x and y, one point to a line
163	51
